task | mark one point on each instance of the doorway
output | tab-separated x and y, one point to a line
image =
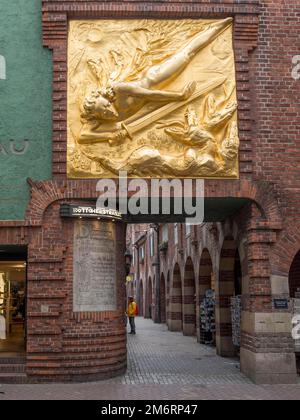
294	284
13	280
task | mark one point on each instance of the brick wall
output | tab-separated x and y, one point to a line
277	115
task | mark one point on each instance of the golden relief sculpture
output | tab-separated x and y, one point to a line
155	98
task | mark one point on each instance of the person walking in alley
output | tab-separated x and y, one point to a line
131	313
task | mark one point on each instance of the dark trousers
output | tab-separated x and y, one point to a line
132	324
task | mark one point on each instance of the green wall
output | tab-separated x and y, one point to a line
25	105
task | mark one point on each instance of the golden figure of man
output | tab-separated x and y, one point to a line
106	110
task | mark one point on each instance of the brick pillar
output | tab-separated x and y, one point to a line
63	342
149	299
141	298
168	299
175	321
163	302
224	292
189	304
267	348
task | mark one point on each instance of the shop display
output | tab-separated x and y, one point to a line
12	305
3	306
236	314
2	328
207	318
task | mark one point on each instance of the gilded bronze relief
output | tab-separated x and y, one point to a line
154	98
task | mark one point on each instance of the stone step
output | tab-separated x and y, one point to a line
12	368
13	378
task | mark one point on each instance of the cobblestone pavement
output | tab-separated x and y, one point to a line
162	365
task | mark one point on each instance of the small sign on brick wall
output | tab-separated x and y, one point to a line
281	303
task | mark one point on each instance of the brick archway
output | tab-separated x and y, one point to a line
175	321
189	299
45	193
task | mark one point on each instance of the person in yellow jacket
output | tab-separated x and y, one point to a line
131	313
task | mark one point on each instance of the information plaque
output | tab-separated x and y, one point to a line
94	266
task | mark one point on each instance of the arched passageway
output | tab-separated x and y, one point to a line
189	299
175	321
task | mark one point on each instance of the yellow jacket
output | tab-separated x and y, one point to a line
131	311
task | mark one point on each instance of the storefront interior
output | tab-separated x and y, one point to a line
12	305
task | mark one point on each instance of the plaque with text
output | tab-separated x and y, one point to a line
94	267
281	303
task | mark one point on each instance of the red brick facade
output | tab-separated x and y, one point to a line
267	232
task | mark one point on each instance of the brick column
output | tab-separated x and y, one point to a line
168	299
175	321
267	349
163	302
63	345
189	304
149	299
224	292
